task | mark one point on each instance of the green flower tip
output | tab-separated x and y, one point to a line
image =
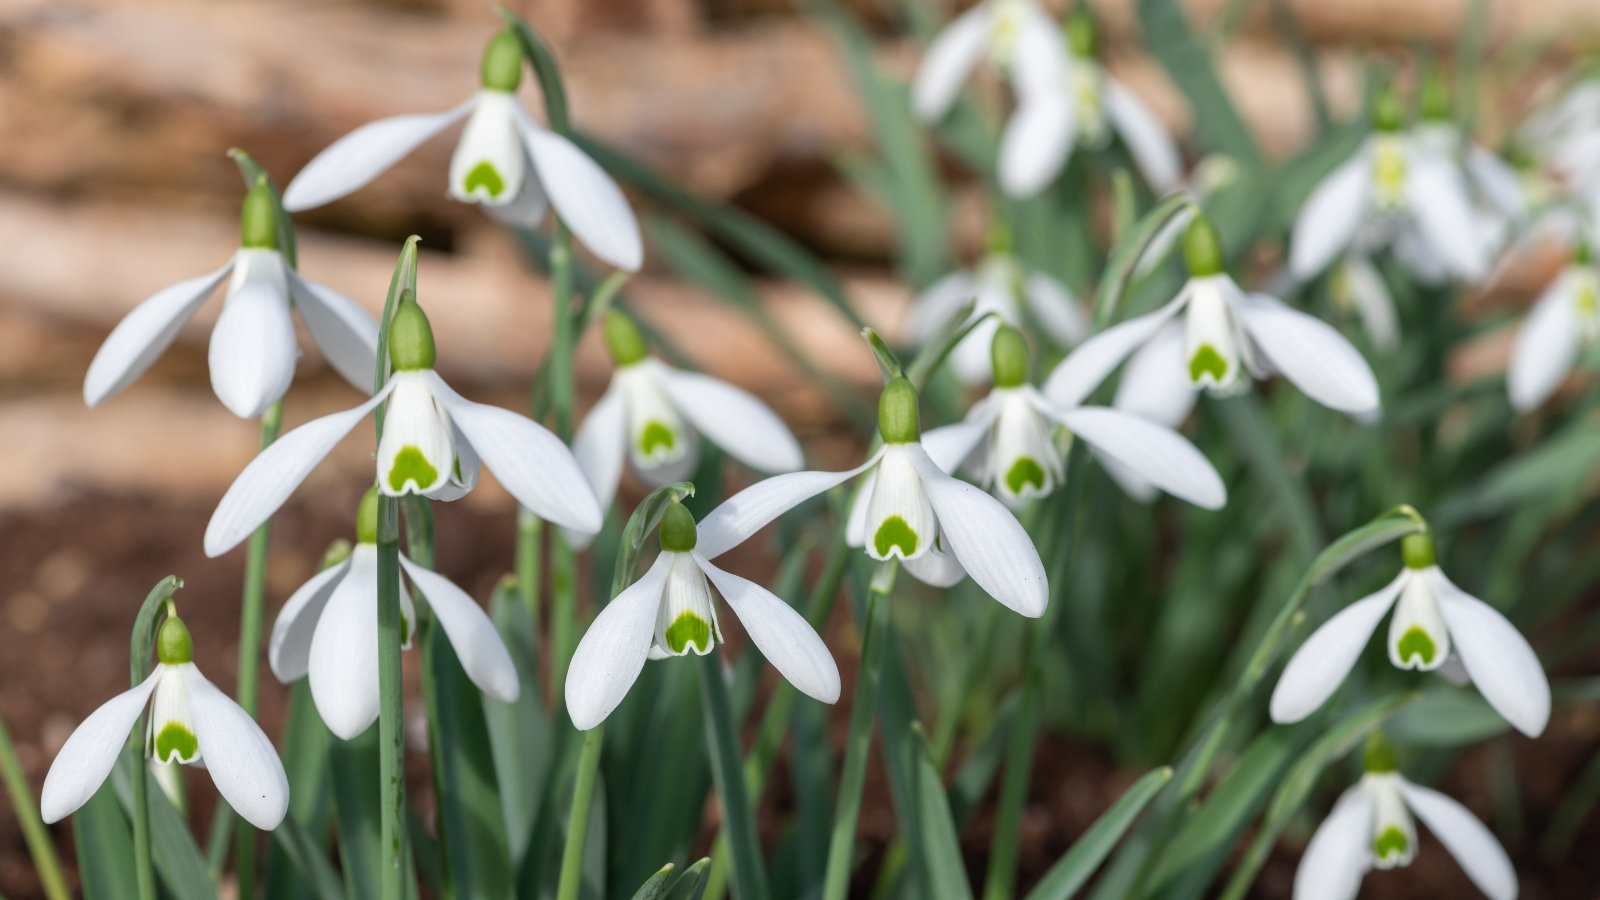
1434	101
173	644
410	336
623	340
1010	353
258	217
898	420
1417	550
677	530
502	62
1202	249
1082	36
367	517
1379	753
1388	113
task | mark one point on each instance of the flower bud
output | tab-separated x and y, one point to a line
410	336
623	340
898	420
1082	36
1388	113
173	644
502	62
1202	248
367	517
677	531
1417	550
1009	350
258	217
1379	753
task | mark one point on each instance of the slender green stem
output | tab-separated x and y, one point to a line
530	530
749	877
33	830
144	867
578	820
391	706
561	375
564	588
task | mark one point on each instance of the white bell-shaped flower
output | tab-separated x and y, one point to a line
1017	37
191	722
1565	319
513	167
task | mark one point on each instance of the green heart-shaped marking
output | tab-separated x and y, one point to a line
176	742
485	175
1023	473
894	532
656	436
1416	644
1207	361
411	465
687	629
1391	843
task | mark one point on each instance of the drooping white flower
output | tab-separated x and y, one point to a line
1007	442
432	444
653	416
1084	108
1225	338
513	167
253	352
1371	826
669	612
939	527
1565	134
1016	36
191	722
1432	618
1564	319
328	630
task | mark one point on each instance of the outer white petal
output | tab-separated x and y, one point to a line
531	463
1438	198
750	510
782	635
1499	182
289	648
1318	668
1036	143
986	539
1039	60
91	751
253	352
1148	141
528	208
1370	297
1058	311
1473	846
360	156
465	477
1328	221
472	635
953	53
734	420
343	663
1082	371
1154	453
600	446
1546	346
1338	856
139	339
1497	656
934	306
950	445
1156	382
612	652
346	333
242	762
273	475
1310	353
585	197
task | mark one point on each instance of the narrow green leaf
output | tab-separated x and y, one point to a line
309	859
355	803
105	847
1073	870
178	861
658	885
692	884
305	759
1125	256
519	733
941	847
938	348
1447	716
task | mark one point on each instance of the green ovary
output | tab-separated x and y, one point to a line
656	436
1390	844
175	742
1207	361
1415	644
1024	473
894	532
411	465
486	176
686	630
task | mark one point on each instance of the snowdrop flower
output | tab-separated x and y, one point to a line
1018	38
253	349
1493	185
191	722
1564	319
1007	440
1371	826
1225	338
1083	109
328	630
940	528
669	612
433	440
1565	134
1431	619
505	162
653	415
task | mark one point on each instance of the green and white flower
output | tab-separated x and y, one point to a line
432	444
513	167
669	612
253	352
1564	319
328	630
191	722
1432	619
1018	39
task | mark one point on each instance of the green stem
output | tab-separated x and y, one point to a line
530	529
561	374
144	868
564	588
33	830
578	820
391	706
749	877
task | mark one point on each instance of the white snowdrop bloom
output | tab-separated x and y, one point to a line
1084	108
328	630
669	612
1007	441
1356	287
1224	339
513	167
191	722
1372	826
1018	38
653	416
253	352
1002	285
939	527
432	444
1564	319
1565	134
1432	618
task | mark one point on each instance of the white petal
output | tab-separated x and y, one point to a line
782	635
585	197
1154	453
289	648
490	164
953	53
612	652
986	539
1546	346
1320	665
252	353
1473	846
1039	60
1437	197
1497	656
600	447
936	568
91	751
473	636
134	345
1328	221
531	463
1036	143
528	208
1310	353
935	305
344	332
750	510
273	475
734	420
1498	182
465	475
1366	292
1156	384
1058	311
343	663
855	528
1147	140
950	445
1337	857
360	156
1086	367
242	762
417	452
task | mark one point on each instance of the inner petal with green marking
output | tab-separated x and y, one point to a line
484	175
1025	473
1207	361
895	534
1417	647
1391	844
411	466
689	629
175	743
657	436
